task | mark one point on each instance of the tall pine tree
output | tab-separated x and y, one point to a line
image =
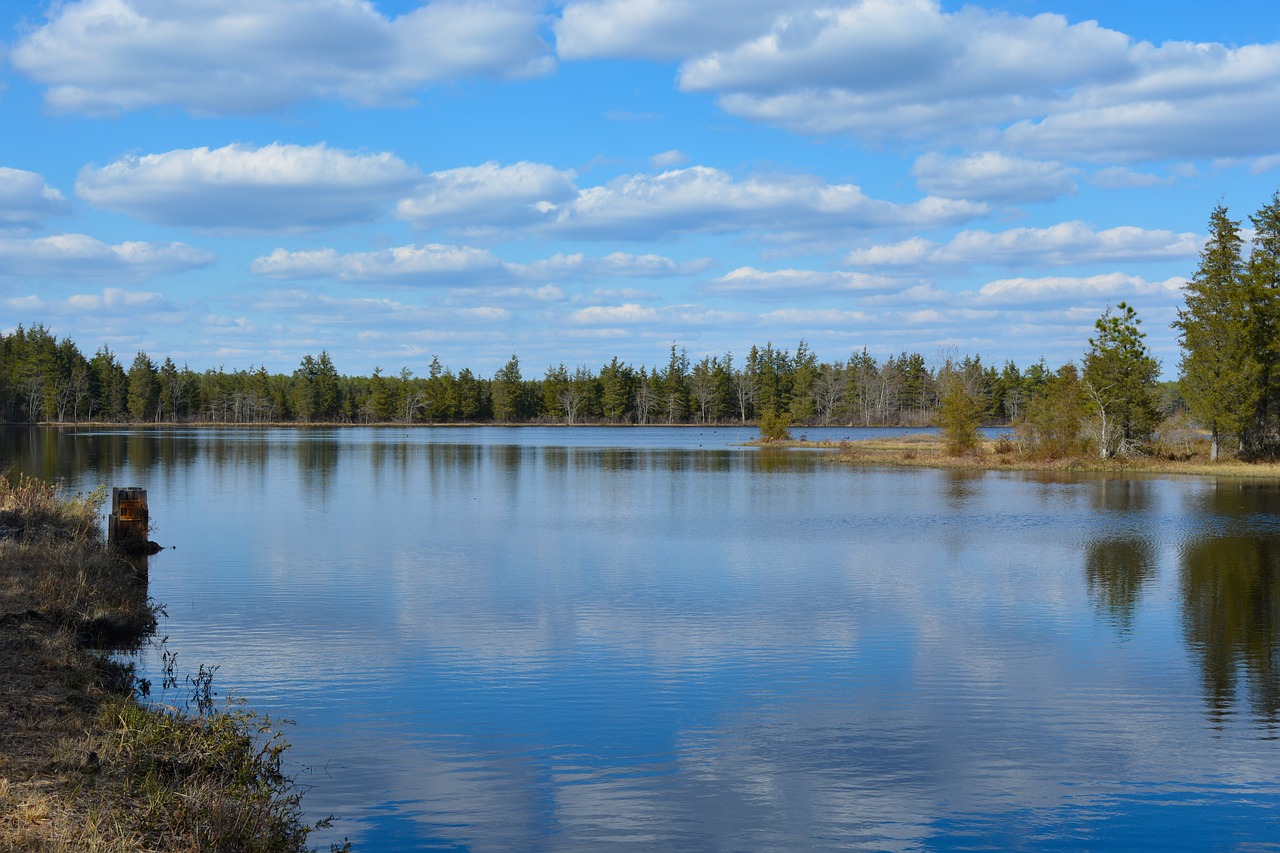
1120	382
1222	373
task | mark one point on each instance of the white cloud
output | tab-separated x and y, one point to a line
626	314
115	300
660	29
485	314
1064	244
1111	286
1183	100
668	159
1118	177
81	256
888	69
703	199
488	196
790	283
616	265
891	67
462	267
698	199
544	295
811	318
255	56
241	189
430	264
25	199
1265	164
992	176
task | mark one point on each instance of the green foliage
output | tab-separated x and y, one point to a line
1055	415
775	426
960	413
508	392
1120	383
144	389
1221	370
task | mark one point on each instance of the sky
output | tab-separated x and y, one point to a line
235	183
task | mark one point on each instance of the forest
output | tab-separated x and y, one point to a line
1112	403
44	379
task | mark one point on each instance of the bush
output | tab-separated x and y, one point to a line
775	426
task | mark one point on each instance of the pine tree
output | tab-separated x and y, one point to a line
1263	273
1120	382
1221	372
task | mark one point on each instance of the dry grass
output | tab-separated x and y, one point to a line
84	766
1002	453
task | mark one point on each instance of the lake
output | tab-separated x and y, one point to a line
580	639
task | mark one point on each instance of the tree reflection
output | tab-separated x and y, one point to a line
1116	570
1230	607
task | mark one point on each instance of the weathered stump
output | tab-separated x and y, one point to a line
127	527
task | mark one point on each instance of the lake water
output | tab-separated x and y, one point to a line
610	639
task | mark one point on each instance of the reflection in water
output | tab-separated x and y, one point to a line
1116	571
1231	607
1231	603
600	639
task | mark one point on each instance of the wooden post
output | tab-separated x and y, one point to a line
127	527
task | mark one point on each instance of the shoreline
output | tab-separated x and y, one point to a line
995	454
85	762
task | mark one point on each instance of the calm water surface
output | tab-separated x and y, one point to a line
596	639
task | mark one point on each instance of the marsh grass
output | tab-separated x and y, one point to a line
1184	453
85	764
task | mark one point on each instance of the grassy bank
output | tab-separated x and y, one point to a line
85	765
1003	454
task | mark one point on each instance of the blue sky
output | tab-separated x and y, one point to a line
242	182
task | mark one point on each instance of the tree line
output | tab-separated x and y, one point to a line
1110	403
46	379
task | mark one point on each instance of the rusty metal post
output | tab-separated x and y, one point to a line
128	524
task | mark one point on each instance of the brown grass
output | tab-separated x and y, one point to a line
84	765
1002	453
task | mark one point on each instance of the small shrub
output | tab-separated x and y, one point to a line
775	426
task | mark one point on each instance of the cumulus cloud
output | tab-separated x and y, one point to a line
430	264
992	176
1183	100
488	196
660	29
26	200
237	188
886	69
1064	244
697	199
255	56
894	67
784	284
81	256
1111	286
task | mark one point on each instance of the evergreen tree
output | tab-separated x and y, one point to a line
959	412
144	388
1120	382
1221	371
1055	414
1263	273
508	392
